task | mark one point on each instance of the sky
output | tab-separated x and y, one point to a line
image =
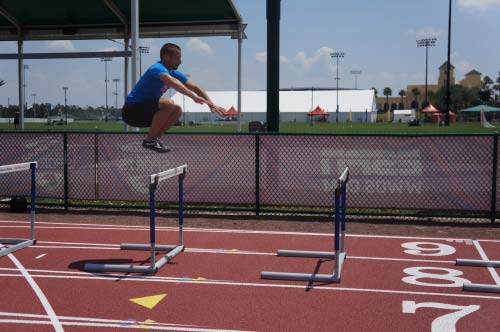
378	38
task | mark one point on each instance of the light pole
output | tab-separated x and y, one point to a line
24	84
106	60
65	88
337	55
448	65
356	73
145	50
426	42
116	80
184	105
33	106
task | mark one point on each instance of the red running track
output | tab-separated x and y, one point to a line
388	283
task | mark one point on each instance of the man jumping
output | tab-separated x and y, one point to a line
144	106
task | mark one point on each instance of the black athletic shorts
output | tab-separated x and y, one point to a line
140	115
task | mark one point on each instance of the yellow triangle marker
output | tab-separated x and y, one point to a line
149	301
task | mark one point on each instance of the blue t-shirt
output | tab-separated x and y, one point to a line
150	86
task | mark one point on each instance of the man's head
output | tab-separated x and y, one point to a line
170	55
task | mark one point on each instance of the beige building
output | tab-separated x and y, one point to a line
443	74
472	80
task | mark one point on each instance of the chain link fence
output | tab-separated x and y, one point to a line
47	149
427	174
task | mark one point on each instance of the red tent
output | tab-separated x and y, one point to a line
231	111
321	114
440	117
430	109
317	111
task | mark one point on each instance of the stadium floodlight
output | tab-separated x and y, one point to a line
106	60
356	73
337	55
116	80
145	50
426	42
65	88
24	84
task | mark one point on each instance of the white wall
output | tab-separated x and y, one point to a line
294	105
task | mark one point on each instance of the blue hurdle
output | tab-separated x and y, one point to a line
172	250
339	254
16	244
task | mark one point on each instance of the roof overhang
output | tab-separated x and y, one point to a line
110	19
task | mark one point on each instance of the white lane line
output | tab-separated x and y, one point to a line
43	299
117	322
215	230
139	326
93	246
124	277
492	271
40	256
89	319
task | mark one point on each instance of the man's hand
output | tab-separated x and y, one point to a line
216	109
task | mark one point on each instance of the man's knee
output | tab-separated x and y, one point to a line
168	105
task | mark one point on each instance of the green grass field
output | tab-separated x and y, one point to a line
328	128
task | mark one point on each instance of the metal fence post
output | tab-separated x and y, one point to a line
65	161
494	178
257	173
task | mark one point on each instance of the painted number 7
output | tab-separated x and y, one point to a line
445	323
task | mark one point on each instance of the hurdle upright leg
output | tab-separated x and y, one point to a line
180	247
172	250
20	243
339	248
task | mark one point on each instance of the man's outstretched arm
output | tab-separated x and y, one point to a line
179	87
202	93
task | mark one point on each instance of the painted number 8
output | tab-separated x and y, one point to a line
449	275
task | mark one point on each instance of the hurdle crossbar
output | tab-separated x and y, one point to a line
152	247
19	243
471	287
338	255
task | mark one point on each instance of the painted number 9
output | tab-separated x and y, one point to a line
428	249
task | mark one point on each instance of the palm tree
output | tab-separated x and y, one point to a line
497	95
486	82
376	91
387	93
415	92
402	93
431	95
498	87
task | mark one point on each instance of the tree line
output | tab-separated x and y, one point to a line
46	110
461	97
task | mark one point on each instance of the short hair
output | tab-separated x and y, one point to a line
169	49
